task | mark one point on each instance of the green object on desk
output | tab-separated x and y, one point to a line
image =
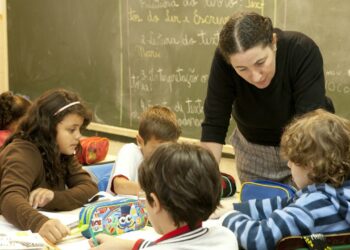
94	240
79	229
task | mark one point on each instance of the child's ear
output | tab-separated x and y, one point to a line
139	140
155	204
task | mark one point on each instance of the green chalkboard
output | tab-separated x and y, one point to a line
327	22
125	55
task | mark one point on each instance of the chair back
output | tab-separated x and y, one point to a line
100	173
335	241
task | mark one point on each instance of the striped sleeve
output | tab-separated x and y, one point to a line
261	209
256	233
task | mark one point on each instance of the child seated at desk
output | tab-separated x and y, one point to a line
38	167
182	187
12	108
158	124
317	146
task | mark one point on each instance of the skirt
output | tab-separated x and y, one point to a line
254	161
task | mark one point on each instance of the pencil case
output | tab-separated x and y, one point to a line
113	217
263	189
92	149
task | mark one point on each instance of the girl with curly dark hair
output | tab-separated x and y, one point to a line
38	168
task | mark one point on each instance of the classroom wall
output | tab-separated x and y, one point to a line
124	55
3	48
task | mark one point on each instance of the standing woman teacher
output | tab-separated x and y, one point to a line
263	77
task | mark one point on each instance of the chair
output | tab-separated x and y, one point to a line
100	173
335	241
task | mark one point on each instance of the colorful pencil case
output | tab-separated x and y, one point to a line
263	189
113	217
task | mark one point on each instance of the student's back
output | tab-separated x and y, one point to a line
181	187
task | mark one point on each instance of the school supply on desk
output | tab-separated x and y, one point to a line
228	185
100	173
22	240
113	217
93	149
79	229
263	189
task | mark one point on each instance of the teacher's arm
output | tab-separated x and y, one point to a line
218	105
309	82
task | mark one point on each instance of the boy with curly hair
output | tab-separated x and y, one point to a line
317	146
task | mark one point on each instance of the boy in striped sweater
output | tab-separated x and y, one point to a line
317	146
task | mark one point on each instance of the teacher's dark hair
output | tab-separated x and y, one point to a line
244	31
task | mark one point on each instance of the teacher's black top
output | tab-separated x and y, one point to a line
261	114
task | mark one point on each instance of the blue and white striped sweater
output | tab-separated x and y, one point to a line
260	224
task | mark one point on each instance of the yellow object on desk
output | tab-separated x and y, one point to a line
79	229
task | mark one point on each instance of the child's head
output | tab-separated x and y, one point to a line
158	124
49	111
317	146
183	180
12	108
53	124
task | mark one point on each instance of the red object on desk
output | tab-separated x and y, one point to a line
93	149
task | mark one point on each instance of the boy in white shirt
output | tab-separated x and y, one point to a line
182	187
158	124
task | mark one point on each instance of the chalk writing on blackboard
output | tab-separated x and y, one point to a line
123	56
170	46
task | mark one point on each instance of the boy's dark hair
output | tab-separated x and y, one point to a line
12	108
321	141
243	31
186	180
159	122
39	126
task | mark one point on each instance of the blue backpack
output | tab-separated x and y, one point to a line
263	189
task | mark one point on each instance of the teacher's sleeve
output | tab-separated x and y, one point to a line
308	82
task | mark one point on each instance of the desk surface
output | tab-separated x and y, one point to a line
81	243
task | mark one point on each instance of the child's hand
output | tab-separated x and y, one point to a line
53	230
107	242
225	206
40	197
